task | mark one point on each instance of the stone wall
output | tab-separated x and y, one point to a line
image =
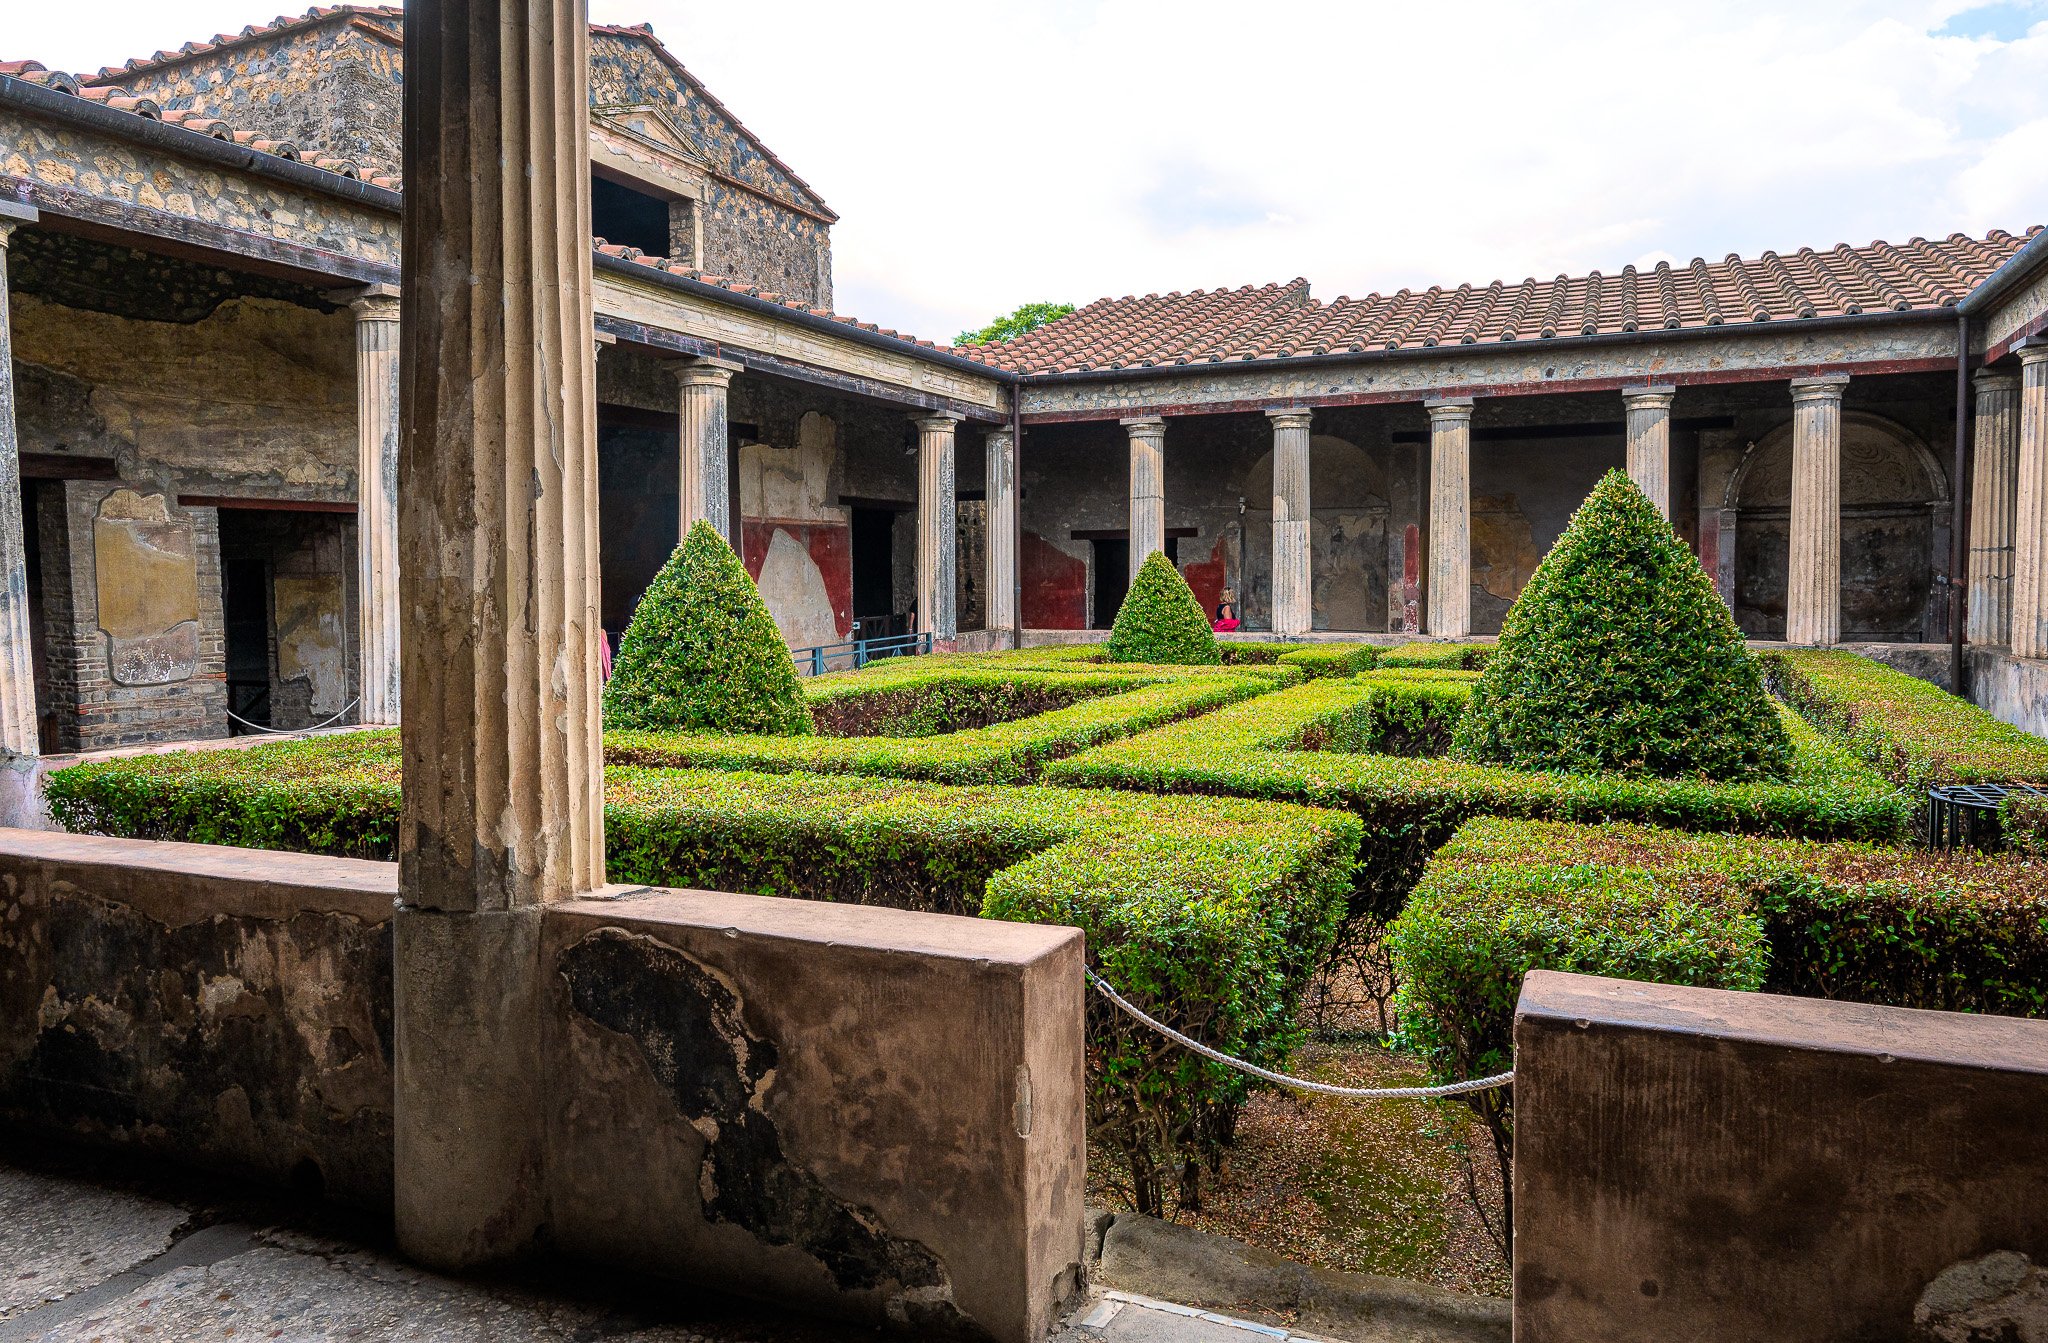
1691	1163
213	1007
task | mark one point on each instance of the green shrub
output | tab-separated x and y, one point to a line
2024	818
1211	913
1160	620
1620	657
1316	660
1914	733
1406	712
937	704
702	653
1439	654
1412	806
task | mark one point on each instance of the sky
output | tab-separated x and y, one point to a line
985	155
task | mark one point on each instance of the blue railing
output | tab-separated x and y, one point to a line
858	653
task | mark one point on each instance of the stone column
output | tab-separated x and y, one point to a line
1293	603
1148	487
1994	466
705	491
1649	442
1000	477
1813	597
938	602
18	736
2030	514
503	808
377	612
1450	516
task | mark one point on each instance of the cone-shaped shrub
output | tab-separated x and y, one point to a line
1160	620
703	654
1619	657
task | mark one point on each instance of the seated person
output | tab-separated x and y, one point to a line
1226	617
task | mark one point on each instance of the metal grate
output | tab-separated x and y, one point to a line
1965	815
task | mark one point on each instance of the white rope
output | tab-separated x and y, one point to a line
294	731
1301	1083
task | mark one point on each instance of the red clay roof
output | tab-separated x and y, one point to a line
1282	321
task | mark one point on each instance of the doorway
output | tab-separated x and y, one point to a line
1112	557
874	571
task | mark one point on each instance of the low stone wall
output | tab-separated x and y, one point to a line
1691	1163
864	1110
2014	689
221	1007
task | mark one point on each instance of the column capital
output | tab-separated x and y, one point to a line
1996	380
940	422
371	303
705	372
1141	426
999	433
1828	387
12	216
1448	408
1649	396
2032	354
1294	417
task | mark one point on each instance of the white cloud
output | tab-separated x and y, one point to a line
982	155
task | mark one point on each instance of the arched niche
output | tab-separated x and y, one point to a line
1347	538
1895	532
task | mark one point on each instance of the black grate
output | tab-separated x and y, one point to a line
1965	815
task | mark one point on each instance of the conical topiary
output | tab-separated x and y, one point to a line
1160	620
703	654
1620	657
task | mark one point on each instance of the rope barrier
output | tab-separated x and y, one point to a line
1301	1083
294	731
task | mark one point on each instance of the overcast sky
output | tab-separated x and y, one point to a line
985	155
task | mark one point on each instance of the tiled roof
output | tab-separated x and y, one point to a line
1282	321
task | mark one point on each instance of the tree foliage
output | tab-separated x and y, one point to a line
1160	620
703	654
1619	657
1028	317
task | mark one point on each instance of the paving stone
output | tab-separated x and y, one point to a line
59	1237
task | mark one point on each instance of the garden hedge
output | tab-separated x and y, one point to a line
2024	819
1314	659
1411	806
1212	913
1443	654
1620	657
1913	732
1160	620
702	653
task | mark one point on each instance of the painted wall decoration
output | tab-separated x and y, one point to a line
146	575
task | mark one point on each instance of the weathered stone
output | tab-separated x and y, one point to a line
1813	602
1000	483
379	616
937	557
1147	493
1450	516
2001	1297
102	1232
1293	558
1649	442
705	491
18	733
146	569
2030	512
1993	467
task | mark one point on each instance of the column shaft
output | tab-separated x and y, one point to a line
1293	596
1000	475
502	805
1148	488
1450	516
2030	514
18	734
1993	471
705	491
1813	597
938	602
1649	442
377	608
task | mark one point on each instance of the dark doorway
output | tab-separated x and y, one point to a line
288	609
245	604
874	571
1113	574
619	214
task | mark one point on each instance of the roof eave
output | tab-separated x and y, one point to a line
2033	254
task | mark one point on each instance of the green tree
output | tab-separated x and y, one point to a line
1619	657
703	654
1029	317
1160	620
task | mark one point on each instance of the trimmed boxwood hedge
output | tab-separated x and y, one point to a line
1212	913
1314	659
1160	620
2024	818
1913	732
1461	656
1412	806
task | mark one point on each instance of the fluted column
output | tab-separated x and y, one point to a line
938	602
18	735
705	492
1000	475
377	611
1293	604
1148	487
2030	514
1649	442
1994	465
1813	597
502	802
1450	516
